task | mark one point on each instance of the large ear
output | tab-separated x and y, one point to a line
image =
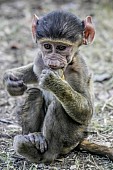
89	31
34	25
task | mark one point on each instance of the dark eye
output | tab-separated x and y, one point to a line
61	47
48	46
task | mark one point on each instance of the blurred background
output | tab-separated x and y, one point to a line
17	49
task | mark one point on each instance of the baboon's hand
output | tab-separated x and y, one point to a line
38	140
47	76
14	85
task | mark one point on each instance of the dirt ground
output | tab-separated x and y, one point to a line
17	49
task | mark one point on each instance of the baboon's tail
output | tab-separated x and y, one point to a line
96	149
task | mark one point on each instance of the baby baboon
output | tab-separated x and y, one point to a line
56	114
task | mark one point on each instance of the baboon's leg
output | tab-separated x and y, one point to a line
31	112
42	146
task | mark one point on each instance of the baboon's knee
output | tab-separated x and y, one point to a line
33	93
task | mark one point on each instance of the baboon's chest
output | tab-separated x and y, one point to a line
48	97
